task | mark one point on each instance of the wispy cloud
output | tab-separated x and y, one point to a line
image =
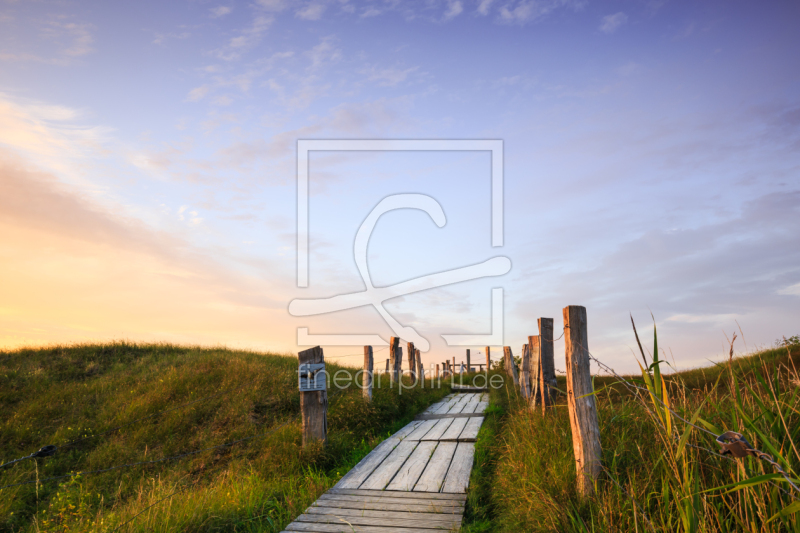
246	39
454	9
524	11
312	11
388	77
484	6
324	53
611	23
220	11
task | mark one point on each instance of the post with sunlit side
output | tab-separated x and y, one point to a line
394	346
367	377
313	395
488	359
535	369
525	373
581	400
412	360
547	380
420	369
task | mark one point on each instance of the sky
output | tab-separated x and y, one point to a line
651	168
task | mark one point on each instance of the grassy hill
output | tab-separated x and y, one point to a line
525	477
166	401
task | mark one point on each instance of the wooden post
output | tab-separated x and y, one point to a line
454	364
394	347
420	368
367	377
488	359
511	368
437	371
398	360
547	359
469	368
581	401
536	370
387	366
412	360
525	373
314	404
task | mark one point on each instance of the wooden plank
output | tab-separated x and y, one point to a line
447	523
432	478
457	479
344	528
438	429
421	430
481	407
408	428
446	415
409	473
458	404
471	404
471	430
446	405
403	515
455	429
384	473
397	504
355	477
401	495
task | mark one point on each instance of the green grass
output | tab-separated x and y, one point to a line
58	394
525	478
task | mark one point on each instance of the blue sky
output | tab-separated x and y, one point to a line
651	152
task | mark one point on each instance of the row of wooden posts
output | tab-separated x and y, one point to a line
535	379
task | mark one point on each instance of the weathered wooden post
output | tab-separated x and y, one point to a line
536	370
412	360
546	356
511	368
420	369
525	373
394	347
367	377
437	371
312	380
581	401
488	359
387	366
469	368
453	367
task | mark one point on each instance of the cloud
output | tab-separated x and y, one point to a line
197	94
312	11
454	8
793	290
220	11
272	5
324	53
530	10
484	6
246	39
611	23
388	77
71	40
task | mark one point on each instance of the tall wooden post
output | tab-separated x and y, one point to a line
394	348
314	404
488	359
367	376
387	366
469	368
581	401
536	370
525	373
437	371
412	360
511	368
548	374
420	368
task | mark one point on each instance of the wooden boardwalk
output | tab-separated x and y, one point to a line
416	480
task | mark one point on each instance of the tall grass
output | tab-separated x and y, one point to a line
56	395
659	474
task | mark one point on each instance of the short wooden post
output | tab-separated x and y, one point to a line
314	403
469	368
420	369
581	401
488	359
548	375
387	366
412	360
536	370
394	348
454	364
437	371
525	373
367	377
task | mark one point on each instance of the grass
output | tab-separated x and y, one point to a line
654	476
59	394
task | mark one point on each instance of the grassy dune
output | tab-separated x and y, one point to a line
57	395
525	474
